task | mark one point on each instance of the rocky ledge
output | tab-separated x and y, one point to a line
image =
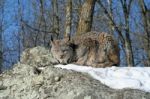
34	77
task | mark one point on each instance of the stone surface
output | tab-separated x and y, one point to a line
38	57
28	80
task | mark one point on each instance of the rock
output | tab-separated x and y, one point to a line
57	78
38	57
29	81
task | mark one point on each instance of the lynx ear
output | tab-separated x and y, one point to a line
69	37
52	39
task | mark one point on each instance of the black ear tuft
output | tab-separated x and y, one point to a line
52	39
69	37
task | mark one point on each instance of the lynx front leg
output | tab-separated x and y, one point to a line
82	60
104	64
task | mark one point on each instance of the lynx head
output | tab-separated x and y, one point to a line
62	50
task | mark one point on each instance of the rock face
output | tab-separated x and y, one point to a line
35	78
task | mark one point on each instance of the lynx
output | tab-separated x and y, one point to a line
91	49
62	51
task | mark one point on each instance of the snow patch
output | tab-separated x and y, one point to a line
117	77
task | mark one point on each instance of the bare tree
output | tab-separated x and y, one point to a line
1	32
128	46
86	17
123	32
21	32
68	17
145	12
55	17
43	20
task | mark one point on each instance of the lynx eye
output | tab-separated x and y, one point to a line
65	51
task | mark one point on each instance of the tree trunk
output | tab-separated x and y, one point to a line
43	21
68	17
128	46
1	32
146	24
86	17
129	52
55	18
1	50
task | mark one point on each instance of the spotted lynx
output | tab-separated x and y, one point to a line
91	49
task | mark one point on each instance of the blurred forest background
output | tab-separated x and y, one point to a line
29	23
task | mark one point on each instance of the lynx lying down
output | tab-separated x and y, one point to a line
91	49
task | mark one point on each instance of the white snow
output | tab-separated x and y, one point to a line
117	77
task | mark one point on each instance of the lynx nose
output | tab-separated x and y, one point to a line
61	56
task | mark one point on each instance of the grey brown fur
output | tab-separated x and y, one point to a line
91	49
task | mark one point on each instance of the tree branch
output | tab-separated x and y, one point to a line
35	29
113	23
